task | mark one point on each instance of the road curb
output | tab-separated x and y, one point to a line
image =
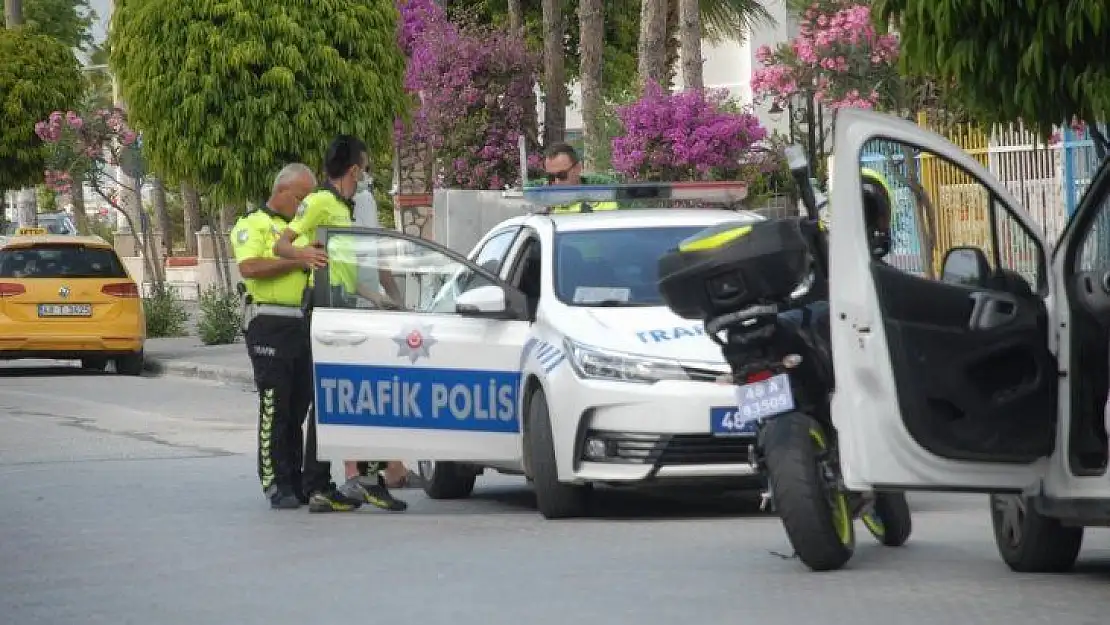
233	376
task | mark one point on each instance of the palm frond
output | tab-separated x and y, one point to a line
725	20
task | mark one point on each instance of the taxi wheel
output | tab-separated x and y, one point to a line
447	480
94	364
1030	542
554	499
131	364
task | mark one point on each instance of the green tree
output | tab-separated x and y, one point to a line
68	21
622	28
38	75
225	92
1044	63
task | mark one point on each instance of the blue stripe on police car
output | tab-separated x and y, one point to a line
417	397
547	355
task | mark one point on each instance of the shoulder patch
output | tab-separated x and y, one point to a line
242	236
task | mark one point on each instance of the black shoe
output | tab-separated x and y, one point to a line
372	490
332	500
283	500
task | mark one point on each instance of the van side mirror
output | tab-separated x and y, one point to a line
965	265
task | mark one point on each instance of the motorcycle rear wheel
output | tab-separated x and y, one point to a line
814	512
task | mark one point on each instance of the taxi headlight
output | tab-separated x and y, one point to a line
600	364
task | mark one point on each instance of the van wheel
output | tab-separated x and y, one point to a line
94	364
446	480
554	499
131	364
1030	542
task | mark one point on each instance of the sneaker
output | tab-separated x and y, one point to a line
332	500
371	490
283	500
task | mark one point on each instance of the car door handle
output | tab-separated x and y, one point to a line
340	337
991	310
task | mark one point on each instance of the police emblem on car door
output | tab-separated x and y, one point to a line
409	382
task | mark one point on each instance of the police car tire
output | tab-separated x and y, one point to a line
1045	546
554	499
800	495
131	364
447	480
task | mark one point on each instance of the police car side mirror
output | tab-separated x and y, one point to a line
483	301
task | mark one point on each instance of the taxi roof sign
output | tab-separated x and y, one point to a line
709	192
30	231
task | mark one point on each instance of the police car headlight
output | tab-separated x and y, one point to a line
599	364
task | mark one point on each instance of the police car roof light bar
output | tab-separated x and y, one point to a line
709	192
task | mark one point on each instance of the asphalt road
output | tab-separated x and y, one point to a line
133	500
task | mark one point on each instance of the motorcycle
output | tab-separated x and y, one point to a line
761	290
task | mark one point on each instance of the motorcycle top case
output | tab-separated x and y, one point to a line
732	266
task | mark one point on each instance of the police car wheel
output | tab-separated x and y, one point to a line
1030	542
554	499
447	480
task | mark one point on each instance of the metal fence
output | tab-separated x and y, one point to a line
1047	178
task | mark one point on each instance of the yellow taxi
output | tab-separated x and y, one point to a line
69	297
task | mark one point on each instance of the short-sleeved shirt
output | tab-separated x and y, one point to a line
322	208
254	236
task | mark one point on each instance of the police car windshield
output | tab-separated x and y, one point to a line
617	267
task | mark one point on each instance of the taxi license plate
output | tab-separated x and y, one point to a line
65	310
754	402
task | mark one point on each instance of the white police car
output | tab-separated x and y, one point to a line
547	353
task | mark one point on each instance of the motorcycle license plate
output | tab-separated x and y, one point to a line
755	402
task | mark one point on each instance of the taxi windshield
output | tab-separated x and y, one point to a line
617	267
60	261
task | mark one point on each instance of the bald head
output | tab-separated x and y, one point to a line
292	184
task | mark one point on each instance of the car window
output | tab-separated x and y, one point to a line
617	267
364	267
492	254
937	205
60	261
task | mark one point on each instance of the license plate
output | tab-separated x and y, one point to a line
754	402
65	310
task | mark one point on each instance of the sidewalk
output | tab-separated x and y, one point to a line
188	357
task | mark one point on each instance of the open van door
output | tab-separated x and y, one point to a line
436	379
945	380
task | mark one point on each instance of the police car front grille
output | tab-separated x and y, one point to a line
702	375
705	449
673	449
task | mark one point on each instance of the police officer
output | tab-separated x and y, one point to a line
563	168
345	165
277	338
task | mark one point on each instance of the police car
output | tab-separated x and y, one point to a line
548	353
